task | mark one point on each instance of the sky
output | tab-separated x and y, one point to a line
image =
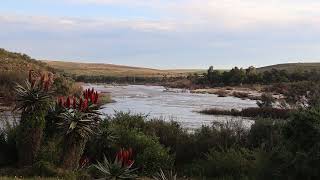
164	33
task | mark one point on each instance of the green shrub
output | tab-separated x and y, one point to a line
267	101
150	155
8	150
102	142
302	141
232	163
173	136
129	121
264	133
7	84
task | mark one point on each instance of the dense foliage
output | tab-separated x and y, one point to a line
271	149
251	75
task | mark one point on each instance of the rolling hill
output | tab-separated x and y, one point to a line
95	69
19	63
290	67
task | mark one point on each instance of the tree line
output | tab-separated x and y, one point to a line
238	76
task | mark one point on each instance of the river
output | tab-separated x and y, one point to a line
179	105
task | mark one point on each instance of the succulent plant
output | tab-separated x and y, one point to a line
162	176
121	168
33	100
78	121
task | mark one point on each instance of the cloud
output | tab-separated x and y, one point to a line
185	32
246	14
194	15
141	3
67	23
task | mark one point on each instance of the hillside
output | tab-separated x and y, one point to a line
292	67
14	68
94	69
16	62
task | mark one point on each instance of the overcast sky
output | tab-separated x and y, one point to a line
164	33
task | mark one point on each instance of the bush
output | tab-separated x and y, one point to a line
7	84
168	132
231	163
8	150
64	86
264	133
102	143
302	144
129	121
150	155
266	101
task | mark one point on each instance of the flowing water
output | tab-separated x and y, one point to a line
178	105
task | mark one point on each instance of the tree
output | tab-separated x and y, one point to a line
210	74
237	76
252	75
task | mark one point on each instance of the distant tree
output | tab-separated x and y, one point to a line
210	74
237	76
252	75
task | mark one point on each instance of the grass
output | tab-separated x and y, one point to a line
16	62
94	69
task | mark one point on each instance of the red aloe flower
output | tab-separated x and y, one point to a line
61	102
125	156
85	93
80	103
85	105
96	96
68	103
74	103
92	98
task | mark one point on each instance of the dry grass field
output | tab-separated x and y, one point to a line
94	69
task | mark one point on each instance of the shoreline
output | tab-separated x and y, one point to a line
274	113
252	92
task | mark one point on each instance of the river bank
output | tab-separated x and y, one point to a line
239	92
274	113
246	91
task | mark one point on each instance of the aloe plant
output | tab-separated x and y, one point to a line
121	168
33	100
79	122
162	176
